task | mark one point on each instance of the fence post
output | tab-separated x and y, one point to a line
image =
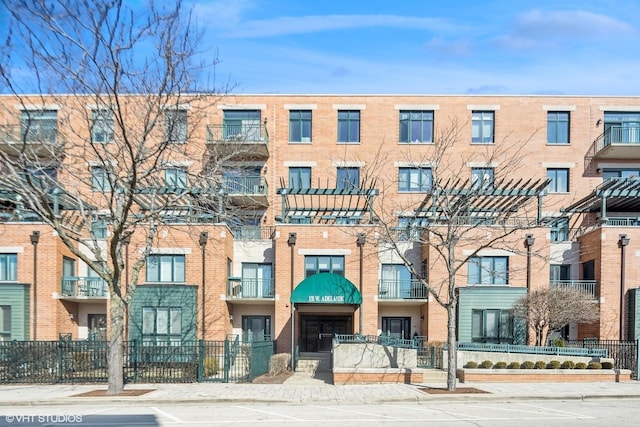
60	356
227	361
200	360
637	360
134	355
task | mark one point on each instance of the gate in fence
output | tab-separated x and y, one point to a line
67	361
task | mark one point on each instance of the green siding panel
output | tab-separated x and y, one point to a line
164	296
483	298
634	314
17	296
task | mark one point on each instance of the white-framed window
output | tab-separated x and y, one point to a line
559	180
101	126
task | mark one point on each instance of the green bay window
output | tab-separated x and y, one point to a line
492	326
161	325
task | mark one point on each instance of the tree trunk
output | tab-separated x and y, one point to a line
452	353
116	349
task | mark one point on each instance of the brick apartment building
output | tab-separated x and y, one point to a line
322	179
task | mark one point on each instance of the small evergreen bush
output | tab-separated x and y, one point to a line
540	364
527	364
513	365
554	364
594	365
580	365
471	365
568	364
500	365
486	364
558	342
607	365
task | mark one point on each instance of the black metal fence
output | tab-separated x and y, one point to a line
67	361
623	353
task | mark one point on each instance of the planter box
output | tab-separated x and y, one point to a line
377	375
543	375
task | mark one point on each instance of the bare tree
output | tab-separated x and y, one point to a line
93	149
452	217
548	310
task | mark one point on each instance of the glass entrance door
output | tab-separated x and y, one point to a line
317	332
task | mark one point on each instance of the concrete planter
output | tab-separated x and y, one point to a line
543	375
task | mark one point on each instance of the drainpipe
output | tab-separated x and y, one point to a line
292	243
622	244
35	238
360	242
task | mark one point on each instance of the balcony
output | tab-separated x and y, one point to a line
589	287
239	141
246	190
250	291
88	289
38	141
402	291
253	232
618	142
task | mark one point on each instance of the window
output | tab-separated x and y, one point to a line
482	127
175	178
165	268
492	326
176	125
482	177
348	178
621	127
242	125
39	126
397	327
559	180
161	325
410	228
559	272
100	179
5	323
256	328
558	127
257	281
560	230
101	126
8	267
300	178
323	264
348	126
300	126
414	179
395	282
416	126
99	228
490	270
619	173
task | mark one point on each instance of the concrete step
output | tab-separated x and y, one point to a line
314	362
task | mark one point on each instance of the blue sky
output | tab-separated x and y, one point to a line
426	46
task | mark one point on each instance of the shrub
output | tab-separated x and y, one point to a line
581	365
554	364
513	365
540	364
558	342
486	364
607	365
471	365
209	366
527	364
594	365
568	364
500	365
278	363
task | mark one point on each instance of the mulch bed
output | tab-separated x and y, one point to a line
458	390
125	393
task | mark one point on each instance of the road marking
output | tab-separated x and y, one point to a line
335	408
271	413
558	411
168	415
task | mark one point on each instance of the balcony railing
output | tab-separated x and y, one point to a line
624	136
245	185
402	289
236	133
84	287
252	232
238	287
589	287
17	134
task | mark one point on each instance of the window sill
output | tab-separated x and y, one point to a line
483	143
415	142
300	142
561	144
348	142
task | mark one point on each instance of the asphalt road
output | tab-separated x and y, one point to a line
596	412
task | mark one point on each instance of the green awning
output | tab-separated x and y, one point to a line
326	288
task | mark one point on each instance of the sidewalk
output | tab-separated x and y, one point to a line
301	389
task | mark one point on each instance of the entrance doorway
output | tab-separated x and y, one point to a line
316	332
97	324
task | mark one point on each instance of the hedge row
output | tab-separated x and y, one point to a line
554	364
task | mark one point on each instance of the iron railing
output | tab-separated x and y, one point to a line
83	287
623	353
588	287
402	289
245	185
617	135
513	348
237	133
67	361
253	232
238	287
18	134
